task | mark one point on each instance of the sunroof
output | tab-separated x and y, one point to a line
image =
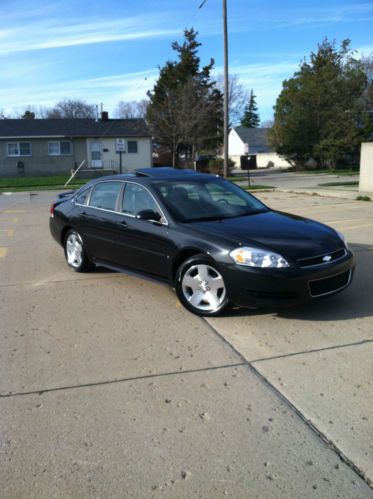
163	172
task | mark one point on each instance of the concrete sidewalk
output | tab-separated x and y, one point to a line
327	192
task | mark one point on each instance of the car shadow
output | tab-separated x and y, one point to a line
354	302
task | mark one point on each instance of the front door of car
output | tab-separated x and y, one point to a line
142	244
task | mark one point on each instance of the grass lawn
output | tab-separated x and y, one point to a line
19	184
329	172
338	184
258	186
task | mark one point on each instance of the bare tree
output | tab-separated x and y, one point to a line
131	109
237	98
30	112
69	108
184	117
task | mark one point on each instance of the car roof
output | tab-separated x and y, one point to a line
151	174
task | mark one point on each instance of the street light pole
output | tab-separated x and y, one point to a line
225	88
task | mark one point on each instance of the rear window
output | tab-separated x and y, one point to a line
82	197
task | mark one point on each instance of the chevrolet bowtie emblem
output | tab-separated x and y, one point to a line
326	258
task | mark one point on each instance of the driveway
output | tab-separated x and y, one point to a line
109	388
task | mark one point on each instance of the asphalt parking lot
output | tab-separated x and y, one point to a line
109	388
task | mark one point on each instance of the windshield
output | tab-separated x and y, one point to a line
207	199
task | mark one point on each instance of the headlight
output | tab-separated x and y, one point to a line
254	257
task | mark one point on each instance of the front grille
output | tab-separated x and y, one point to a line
329	284
319	260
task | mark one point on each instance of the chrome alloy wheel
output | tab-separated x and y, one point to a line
203	287
74	251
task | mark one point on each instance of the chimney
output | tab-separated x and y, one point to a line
104	116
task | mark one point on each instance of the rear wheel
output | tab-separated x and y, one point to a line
200	286
75	253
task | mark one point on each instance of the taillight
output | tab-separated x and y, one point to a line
51	211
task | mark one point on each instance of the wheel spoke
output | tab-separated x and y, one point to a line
195	299
190	282
217	283
212	299
203	273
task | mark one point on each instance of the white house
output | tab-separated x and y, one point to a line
57	146
253	141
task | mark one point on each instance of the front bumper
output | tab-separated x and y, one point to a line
256	287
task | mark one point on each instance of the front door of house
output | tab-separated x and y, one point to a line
96	154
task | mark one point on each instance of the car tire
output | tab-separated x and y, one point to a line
75	254
200	286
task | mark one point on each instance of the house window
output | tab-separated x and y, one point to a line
19	149
59	148
132	146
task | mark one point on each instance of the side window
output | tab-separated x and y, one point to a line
82	197
137	198
105	195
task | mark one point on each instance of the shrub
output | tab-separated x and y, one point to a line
216	166
363	198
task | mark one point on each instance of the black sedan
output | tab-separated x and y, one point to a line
211	240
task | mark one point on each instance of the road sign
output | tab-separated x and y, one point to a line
120	145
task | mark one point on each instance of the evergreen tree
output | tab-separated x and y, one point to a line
185	109
28	115
318	113
250	118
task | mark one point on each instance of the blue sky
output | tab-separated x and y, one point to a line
107	51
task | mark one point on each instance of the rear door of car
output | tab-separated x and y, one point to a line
97	221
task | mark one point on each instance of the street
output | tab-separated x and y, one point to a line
109	388
290	180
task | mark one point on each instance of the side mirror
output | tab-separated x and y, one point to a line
150	215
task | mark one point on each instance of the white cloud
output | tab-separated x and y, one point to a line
266	81
53	33
303	16
109	90
365	50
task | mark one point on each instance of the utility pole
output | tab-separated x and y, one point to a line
225	89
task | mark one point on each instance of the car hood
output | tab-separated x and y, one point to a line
291	236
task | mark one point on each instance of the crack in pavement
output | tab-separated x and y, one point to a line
314	350
121	380
114	275
329	443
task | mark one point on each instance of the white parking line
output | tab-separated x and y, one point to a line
7	232
355	227
8	220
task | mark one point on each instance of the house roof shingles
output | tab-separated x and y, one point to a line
256	138
34	128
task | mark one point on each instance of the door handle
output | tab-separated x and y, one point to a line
84	214
123	224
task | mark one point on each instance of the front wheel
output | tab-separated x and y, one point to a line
200	286
75	253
